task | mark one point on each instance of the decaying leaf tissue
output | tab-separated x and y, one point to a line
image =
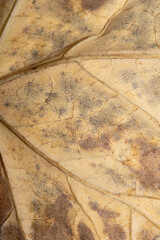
80	120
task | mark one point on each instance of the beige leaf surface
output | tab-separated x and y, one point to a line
43	30
96	132
48	203
80	120
133	31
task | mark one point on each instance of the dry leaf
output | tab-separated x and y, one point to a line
79	109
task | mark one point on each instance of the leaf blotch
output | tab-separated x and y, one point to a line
147	234
115	231
11	232
149	170
57	225
92	4
84	232
90	142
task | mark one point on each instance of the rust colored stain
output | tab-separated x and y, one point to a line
92	4
84	232
115	231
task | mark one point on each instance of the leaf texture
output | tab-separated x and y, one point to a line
80	121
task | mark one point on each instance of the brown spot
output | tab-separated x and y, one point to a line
14	67
103	213
93	142
92	4
84	232
26	29
56	225
115	176
11	232
104	140
5	198
147	234
13	53
148	153
34	53
89	143
115	231
36	206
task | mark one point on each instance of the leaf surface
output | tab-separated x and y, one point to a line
80	121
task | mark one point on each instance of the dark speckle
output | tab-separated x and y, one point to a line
63	74
115	176
128	76
147	234
26	29
89	143
14	53
40	31
36	206
93	142
134	85
101	119
62	111
148	154
105	214
116	232
14	67
37	167
92	4
6	104
84	232
104	140
34	53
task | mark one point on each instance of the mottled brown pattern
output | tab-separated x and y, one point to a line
114	230
92	4
131	30
57	225
51	27
147	234
90	142
84	232
104	140
148	152
11	232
